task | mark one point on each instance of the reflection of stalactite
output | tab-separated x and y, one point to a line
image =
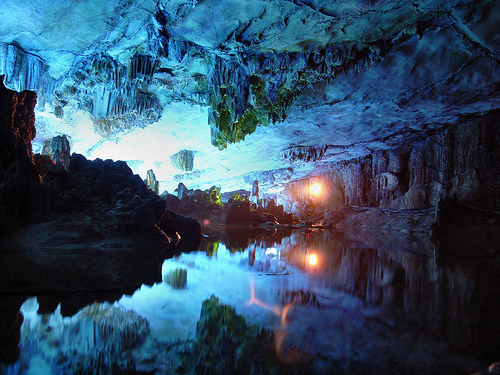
23	70
456	303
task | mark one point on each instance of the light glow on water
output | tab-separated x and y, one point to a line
318	292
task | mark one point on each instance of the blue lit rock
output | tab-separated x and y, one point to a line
183	160
284	90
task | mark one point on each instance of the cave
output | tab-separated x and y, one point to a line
249	187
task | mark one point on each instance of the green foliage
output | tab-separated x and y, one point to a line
235	197
214	196
259	111
212	248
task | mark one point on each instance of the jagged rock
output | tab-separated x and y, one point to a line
41	163
96	205
181	191
60	151
172	201
225	344
304	153
24	71
99	339
412	177
117	330
187	228
17	170
177	278
255	190
183	160
151	182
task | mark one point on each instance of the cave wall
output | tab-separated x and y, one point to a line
17	169
462	163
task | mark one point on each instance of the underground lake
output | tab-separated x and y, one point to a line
328	301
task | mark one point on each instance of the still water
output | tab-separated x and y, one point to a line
370	302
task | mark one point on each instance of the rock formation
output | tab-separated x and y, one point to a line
151	182
91	208
60	151
183	160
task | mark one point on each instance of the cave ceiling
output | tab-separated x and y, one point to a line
275	90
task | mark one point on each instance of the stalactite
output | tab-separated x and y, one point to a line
304	153
23	70
141	67
60	150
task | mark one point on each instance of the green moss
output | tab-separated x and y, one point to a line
212	248
235	197
214	316
226	128
214	196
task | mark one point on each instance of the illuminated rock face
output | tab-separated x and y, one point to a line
381	97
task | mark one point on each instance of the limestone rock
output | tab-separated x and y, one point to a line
177	278
151	182
23	70
41	163
183	160
187	228
181	191
17	170
117	330
60	150
172	201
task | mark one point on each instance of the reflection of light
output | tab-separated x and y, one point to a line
206	222
315	189
281	332
255	301
312	259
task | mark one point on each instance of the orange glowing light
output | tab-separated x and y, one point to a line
255	301
312	259
315	189
281	332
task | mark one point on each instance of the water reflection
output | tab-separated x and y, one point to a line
365	303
